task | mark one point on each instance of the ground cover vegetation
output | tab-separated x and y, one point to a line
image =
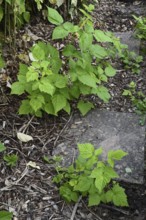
54	78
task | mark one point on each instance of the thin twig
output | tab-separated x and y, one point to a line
55	142
92	212
75	208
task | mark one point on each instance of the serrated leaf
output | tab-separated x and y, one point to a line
24	137
83	184
22	69
100	183
59	33
60	81
115	155
119	196
109	196
49	108
100	36
84	107
98	151
25	108
2	147
5	215
70	50
86	150
31	75
59	102
98	51
94	199
54	17
36	102
110	71
88	80
38	52
65	192
85	41
68	26
102	93
17	88
67	108
46	86
74	196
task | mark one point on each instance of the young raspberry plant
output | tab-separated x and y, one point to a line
91	177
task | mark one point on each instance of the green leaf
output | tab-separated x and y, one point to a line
84	107
67	108
98	151
2	147
110	71
109	196
85	41
94	199
70	50
32	75
65	192
46	86
59	102
68	26
119	196
83	184
26	16
23	69
54	17
86	150
5	215
102	93
74	196
109	173
85	90
17	88
100	36
49	108
59	33
25	108
115	155
60	81
98	51
36	102
38	52
88	80
127	92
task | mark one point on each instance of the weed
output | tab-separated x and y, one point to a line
91	177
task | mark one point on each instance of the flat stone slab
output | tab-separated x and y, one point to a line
111	130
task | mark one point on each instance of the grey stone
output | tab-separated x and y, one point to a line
111	130
129	39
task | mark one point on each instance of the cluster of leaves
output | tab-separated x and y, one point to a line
91	177
138	100
10	159
55	77
140	27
